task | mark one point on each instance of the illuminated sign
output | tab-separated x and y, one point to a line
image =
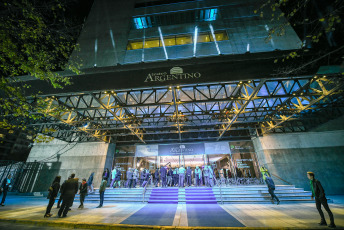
176	73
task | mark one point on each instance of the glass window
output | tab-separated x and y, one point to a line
142	22
203	37
170	41
184	39
221	35
151	43
208	14
134	45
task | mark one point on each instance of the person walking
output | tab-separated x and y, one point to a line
271	188
60	199
83	192
198	176
102	189
318	193
5	186
90	183
69	189
181	172
163	174
53	191
188	176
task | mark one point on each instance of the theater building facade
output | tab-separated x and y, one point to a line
192	83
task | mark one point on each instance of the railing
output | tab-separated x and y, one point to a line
144	189
281	179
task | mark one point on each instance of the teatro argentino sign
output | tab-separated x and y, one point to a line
176	73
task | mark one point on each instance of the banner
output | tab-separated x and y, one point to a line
241	146
181	149
146	150
217	147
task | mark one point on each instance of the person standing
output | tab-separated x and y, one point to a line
106	174
156	177
69	189
118	177
135	177
318	193
53	191
142	177
211	176
198	176
206	175
83	192
169	177
163	174
271	187
129	177
175	177
102	189
5	186
181	172
188	176
90	183
113	176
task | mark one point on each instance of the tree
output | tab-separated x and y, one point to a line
319	25
36	39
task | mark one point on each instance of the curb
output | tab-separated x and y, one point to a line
67	224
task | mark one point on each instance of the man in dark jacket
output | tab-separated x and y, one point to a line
102	189
320	199
271	187
69	189
163	174
83	192
169	176
5	186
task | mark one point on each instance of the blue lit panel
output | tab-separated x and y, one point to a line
142	22
209	14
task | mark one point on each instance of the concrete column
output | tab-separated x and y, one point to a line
62	158
290	156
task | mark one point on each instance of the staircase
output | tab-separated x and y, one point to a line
164	196
260	194
203	195
199	196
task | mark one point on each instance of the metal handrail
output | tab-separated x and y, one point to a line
144	189
220	192
281	179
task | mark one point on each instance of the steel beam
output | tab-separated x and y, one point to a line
242	108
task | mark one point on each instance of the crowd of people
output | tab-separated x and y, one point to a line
170	177
68	190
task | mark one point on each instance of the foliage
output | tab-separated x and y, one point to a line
317	22
36	39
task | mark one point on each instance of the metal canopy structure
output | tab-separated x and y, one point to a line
233	110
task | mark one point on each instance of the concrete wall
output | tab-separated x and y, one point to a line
62	158
290	156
